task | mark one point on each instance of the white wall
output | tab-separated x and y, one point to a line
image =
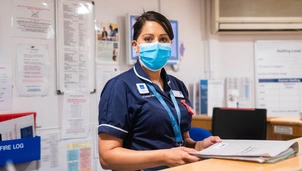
236	53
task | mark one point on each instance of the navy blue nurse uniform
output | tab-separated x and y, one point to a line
129	110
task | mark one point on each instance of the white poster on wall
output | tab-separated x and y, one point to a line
75	117
49	149
104	74
107	43
32	70
33	18
76	53
211	94
239	92
278	77
5	84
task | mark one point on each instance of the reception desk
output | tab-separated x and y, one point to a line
285	128
278	128
291	164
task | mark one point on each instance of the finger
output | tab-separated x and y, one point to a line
186	149
191	158
217	139
214	139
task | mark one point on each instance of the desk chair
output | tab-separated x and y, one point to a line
236	123
198	134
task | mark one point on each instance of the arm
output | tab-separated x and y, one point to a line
200	145
114	156
189	142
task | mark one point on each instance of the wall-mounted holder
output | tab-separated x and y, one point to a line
20	150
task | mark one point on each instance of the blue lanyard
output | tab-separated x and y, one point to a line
175	125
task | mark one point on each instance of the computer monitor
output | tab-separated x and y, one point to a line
239	123
132	55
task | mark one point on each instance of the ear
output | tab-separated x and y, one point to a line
135	46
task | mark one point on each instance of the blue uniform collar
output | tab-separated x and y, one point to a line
140	73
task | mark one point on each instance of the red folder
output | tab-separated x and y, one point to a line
8	116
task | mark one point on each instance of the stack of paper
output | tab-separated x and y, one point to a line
263	151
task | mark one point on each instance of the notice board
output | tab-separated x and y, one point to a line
75	44
278	77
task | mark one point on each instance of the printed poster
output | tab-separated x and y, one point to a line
5	84
75	117
79	156
32	70
107	43
33	18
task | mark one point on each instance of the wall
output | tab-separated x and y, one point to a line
235	53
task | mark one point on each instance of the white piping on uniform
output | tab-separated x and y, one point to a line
143	77
114	127
140	76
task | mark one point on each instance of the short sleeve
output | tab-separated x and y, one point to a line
113	109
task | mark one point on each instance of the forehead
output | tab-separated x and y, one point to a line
153	27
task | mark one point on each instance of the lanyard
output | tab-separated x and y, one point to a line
175	125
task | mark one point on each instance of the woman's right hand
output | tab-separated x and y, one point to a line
179	156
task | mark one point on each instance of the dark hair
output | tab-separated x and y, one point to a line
152	16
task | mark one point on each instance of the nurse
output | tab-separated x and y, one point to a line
144	113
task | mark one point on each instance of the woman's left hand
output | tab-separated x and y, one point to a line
207	142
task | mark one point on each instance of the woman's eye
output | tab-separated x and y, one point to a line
163	40
148	39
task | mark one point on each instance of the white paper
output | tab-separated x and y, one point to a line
254	150
17	128
75	116
104	74
211	95
232	98
5	84
107	43
76	51
33	70
105	51
239	92
95	142
265	148
215	95
33	18
49	151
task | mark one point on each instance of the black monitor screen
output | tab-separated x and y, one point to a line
239	123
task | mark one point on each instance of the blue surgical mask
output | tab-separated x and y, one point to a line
154	56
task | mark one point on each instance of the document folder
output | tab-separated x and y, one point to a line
262	151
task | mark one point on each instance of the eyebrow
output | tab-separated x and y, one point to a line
153	34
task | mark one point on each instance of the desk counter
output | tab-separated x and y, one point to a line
278	128
286	127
